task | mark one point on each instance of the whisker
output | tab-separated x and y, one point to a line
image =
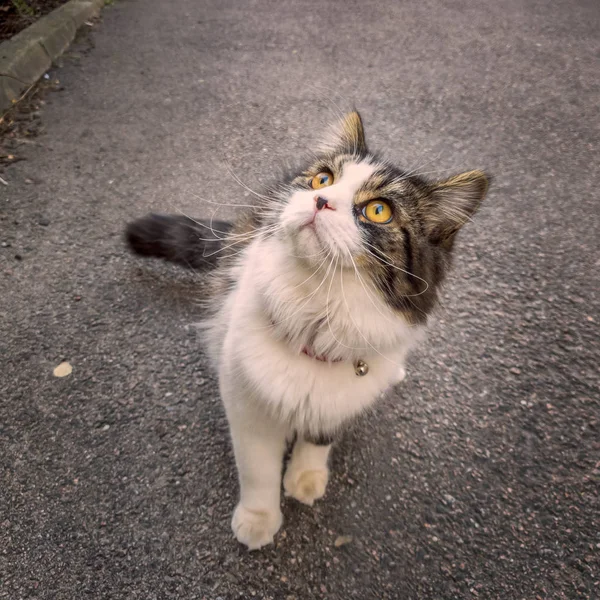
419	165
296	300
313	273
327	307
235	243
306	298
369	296
236	237
319	88
229	236
358	328
242	184
222	203
396	267
300	284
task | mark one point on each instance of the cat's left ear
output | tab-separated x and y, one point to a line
451	203
348	135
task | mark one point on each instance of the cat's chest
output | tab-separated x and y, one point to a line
319	324
308	391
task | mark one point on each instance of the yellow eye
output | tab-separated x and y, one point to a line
321	180
377	211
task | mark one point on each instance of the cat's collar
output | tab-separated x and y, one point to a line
306	350
361	368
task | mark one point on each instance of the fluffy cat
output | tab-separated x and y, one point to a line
319	292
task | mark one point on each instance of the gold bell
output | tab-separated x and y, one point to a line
361	368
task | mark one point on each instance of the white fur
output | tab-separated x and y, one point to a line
294	290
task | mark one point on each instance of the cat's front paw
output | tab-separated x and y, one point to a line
255	528
305	485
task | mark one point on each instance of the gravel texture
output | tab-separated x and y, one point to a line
477	478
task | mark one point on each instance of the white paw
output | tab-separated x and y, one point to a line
306	486
255	528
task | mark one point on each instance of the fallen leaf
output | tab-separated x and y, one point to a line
63	369
341	540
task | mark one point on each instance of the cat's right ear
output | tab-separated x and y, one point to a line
347	135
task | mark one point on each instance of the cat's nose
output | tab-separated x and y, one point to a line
321	202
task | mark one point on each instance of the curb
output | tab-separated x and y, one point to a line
25	57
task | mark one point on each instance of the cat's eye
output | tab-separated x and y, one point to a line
321	180
377	211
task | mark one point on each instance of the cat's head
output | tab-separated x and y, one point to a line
393	227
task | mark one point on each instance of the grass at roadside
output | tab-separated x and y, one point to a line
16	15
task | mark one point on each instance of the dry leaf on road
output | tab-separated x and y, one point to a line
341	540
63	369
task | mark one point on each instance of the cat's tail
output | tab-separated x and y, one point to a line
178	239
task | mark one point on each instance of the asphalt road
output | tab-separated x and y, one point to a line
478	478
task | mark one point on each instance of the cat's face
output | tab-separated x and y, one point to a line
362	213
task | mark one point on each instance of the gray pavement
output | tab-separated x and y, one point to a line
477	478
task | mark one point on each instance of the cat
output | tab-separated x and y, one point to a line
319	291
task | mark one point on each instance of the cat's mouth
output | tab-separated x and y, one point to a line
310	226
309	236
309	222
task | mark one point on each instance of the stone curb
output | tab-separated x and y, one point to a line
25	57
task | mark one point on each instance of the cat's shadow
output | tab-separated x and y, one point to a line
171	287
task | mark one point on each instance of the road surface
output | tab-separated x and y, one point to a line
477	478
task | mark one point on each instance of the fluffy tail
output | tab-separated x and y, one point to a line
178	239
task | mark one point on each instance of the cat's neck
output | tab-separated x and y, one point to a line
323	310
